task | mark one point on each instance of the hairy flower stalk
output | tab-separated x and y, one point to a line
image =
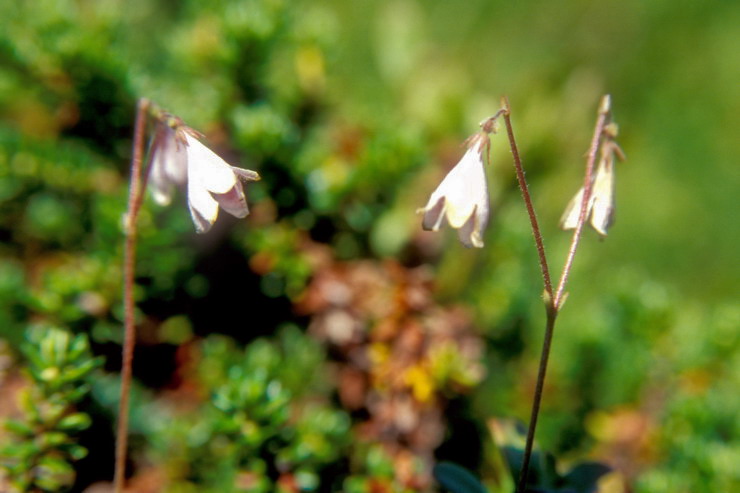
129	267
461	199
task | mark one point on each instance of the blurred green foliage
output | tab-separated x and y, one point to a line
265	419
42	445
352	112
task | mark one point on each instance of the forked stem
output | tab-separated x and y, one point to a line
553	301
136	189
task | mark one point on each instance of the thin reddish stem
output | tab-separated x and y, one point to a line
524	187
129	267
601	122
551	313
537	401
554	303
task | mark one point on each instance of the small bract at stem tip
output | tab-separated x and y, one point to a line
619	152
606	104
611	130
487	125
246	175
505	104
156	113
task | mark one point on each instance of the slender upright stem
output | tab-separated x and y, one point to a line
129	264
554	302
537	400
551	313
604	111
524	187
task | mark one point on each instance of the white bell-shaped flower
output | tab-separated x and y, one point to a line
461	199
601	203
177	157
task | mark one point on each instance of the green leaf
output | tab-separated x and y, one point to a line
584	477
29	406
75	422
78	393
19	427
75	451
53	439
35	363
77	348
457	479
54	474
71	374
46	351
22	450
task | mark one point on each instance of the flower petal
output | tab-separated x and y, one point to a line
434	216
602	215
203	207
569	220
168	165
207	168
481	222
463	188
461	199
470	232
233	201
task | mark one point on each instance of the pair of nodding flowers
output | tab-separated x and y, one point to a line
178	157
461	199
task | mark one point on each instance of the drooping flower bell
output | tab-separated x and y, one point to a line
601	203
461	199
179	157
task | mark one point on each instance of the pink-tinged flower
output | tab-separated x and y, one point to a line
168	164
462	198
178	157
600	207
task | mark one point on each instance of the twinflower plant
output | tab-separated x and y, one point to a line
600	210
462	200
177	158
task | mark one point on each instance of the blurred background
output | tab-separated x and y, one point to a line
326	343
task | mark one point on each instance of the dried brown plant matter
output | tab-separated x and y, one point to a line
398	352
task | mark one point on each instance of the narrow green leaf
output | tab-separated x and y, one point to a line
53	439
19	427
75	451
54	474
74	422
